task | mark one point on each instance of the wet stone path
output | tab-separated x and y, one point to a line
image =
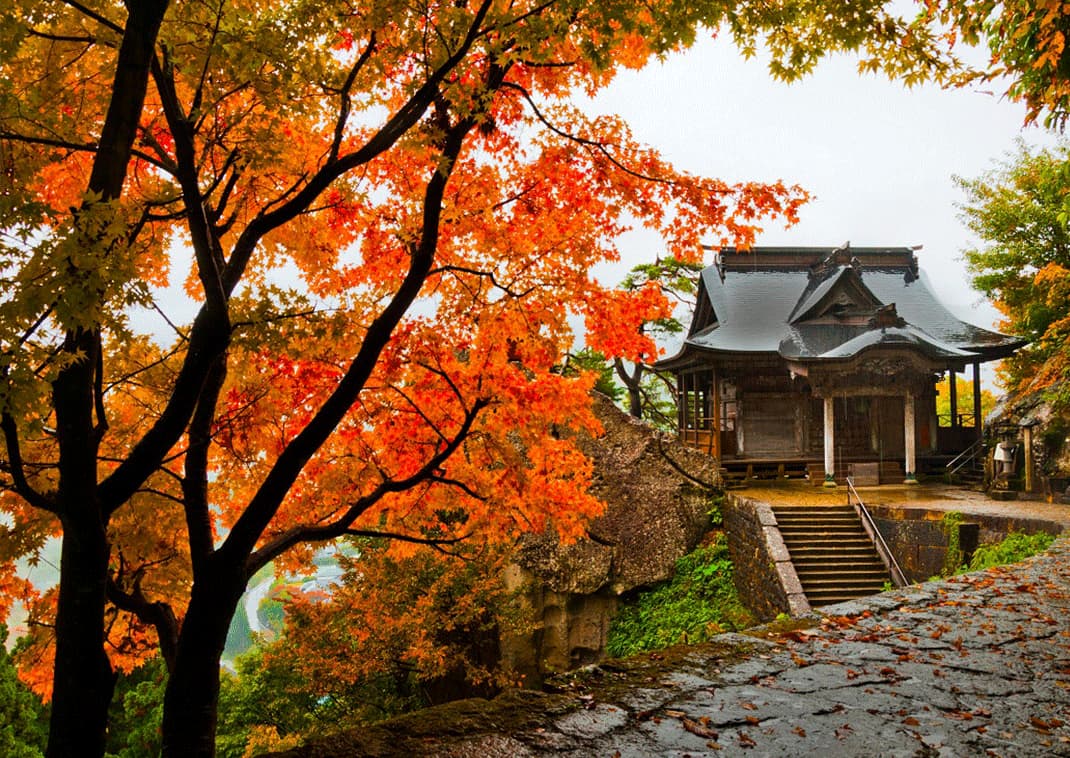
975	665
972	666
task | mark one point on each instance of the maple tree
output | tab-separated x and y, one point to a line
1027	45
381	216
1018	210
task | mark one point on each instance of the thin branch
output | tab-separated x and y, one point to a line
599	147
432	541
420	412
102	20
283	317
18	470
157	613
87	40
198	94
285	541
450	482
347	104
84	147
484	274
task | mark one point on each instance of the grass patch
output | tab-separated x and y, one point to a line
699	602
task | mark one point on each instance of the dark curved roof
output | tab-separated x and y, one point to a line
814	304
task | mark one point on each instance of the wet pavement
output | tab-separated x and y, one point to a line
971	666
975	665
937	497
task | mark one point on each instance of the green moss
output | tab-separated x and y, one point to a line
700	601
953	558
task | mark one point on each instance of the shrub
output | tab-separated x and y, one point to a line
700	601
1015	547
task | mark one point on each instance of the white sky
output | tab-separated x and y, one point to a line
878	157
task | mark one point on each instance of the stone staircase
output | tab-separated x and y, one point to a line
833	556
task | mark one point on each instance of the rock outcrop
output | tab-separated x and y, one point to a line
658	495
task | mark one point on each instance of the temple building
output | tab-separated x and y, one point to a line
825	361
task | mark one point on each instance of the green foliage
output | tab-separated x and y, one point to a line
592	360
1015	547
715	499
1019	211
23	719
700	601
136	712
650	396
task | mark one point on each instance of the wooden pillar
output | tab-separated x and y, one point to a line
681	404
715	412
977	398
830	442
909	443
953	397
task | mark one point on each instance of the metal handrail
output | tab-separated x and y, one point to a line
968	455
898	578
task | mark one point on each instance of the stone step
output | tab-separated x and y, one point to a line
803	519
830	543
836	555
801	530
823	567
842	578
832	553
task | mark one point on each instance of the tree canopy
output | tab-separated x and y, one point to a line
1018	210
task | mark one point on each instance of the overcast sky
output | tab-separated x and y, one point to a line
878	158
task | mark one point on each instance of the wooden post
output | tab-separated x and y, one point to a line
1027	461
953	397
830	442
908	439
977	398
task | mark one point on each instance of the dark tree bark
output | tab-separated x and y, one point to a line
83	679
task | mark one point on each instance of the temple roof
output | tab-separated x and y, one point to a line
816	304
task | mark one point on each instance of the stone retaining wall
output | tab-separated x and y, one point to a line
918	539
764	575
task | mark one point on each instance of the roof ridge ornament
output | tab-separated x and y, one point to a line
841	256
886	317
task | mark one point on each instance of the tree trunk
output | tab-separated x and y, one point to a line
192	695
633	384
83	677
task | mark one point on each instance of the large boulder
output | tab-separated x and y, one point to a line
658	496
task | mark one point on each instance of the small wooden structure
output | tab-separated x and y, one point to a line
817	358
